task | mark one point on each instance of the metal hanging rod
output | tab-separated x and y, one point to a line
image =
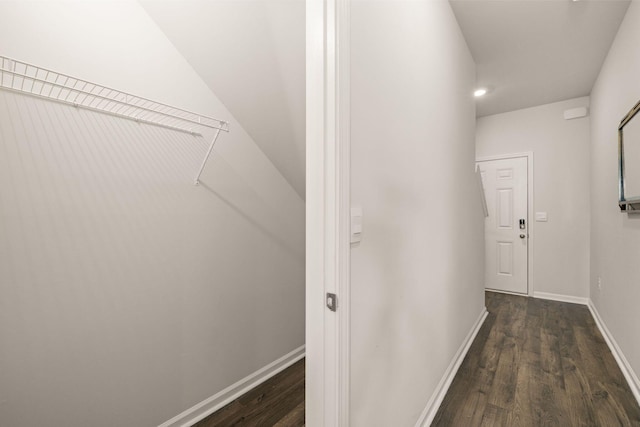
22	77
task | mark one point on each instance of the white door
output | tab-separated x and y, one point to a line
506	227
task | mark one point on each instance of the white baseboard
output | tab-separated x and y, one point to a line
625	367
496	291
561	298
207	407
434	403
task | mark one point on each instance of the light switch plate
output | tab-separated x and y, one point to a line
541	217
356	224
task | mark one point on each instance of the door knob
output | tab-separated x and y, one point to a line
522	236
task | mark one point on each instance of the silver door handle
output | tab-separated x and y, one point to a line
522	236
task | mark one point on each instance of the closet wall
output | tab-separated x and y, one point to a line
127	294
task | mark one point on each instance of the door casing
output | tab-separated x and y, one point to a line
328	212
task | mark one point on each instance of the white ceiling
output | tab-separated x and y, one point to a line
251	53
533	52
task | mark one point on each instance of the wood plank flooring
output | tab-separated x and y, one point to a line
533	363
538	363
279	401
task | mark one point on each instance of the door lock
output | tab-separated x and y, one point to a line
522	224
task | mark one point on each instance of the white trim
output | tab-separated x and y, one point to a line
498	291
430	411
561	298
343	102
530	210
208	406
623	363
328	212
315	201
504	156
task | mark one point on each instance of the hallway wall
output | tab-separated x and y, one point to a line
615	236
417	274
561	187
127	294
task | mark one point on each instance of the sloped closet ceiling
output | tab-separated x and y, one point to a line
251	53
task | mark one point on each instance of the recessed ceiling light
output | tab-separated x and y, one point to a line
480	92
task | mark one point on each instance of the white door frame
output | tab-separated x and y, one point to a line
530	209
328	213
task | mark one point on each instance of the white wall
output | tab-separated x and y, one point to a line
127	294
252	55
615	236
417	274
561	188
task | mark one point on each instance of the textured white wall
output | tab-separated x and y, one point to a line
561	187
417	274
127	294
615	237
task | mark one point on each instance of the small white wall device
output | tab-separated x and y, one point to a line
575	113
356	225
541	217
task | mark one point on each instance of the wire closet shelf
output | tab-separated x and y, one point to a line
22	77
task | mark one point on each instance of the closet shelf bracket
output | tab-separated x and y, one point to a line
206	157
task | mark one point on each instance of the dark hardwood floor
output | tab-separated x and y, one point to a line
279	401
538	363
533	363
